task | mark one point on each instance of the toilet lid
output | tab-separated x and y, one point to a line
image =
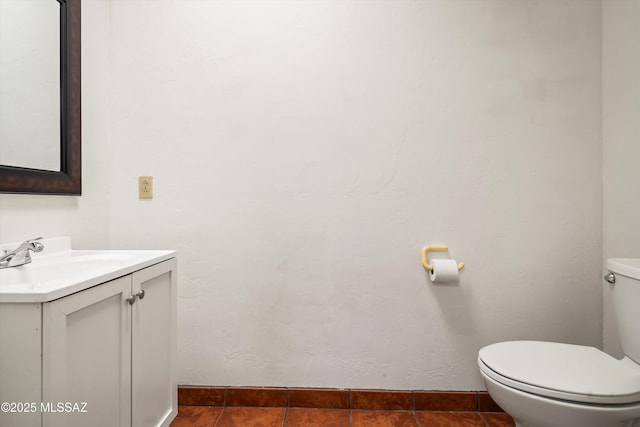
563	371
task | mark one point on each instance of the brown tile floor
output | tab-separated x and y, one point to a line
206	416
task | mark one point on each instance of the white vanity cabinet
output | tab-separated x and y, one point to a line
103	356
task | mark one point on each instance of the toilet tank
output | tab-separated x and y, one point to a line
625	294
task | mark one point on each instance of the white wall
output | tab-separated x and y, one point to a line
304	152
621	144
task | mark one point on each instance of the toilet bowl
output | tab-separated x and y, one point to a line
547	384
543	384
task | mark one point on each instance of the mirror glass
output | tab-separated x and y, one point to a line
30	85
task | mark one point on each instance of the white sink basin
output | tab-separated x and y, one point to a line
62	271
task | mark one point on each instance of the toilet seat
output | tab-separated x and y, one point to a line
562	371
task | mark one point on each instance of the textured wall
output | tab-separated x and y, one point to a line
304	152
621	141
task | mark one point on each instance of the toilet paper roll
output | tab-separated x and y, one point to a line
444	270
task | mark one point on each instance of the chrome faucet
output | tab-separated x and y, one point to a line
22	254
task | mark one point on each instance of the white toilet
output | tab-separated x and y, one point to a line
545	384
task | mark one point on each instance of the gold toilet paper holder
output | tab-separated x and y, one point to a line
435	248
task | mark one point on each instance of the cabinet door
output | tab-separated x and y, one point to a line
153	361
86	345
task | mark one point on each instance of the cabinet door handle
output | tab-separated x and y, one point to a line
132	298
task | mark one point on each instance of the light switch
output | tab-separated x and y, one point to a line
145	187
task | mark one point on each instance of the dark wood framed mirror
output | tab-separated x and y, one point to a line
66	180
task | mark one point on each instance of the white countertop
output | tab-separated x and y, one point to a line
59	271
